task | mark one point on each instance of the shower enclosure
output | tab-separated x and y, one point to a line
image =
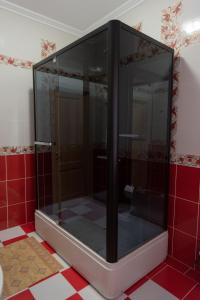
102	128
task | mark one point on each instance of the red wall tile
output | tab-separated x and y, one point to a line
16	214
171	202
172	179
2	168
30	189
16	191
3	200
187	185
30	165
184	184
184	247
15	166
13	208
30	206
170	238
3	218
186	213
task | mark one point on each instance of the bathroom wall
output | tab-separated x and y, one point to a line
166	21
23	42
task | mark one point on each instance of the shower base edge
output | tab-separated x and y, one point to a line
110	279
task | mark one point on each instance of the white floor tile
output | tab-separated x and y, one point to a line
151	291
61	261
89	293
54	288
11	233
36	236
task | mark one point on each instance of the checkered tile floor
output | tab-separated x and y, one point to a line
170	281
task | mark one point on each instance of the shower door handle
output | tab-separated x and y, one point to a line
43	144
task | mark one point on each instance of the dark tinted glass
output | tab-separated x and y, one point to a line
143	140
79	147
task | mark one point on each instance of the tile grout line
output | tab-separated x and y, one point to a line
190	291
197	233
21	178
25	171
185	275
183	232
164	267
176	259
174	210
6	192
18	204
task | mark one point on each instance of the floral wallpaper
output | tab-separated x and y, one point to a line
47	48
173	36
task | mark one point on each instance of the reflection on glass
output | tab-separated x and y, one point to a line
143	141
79	149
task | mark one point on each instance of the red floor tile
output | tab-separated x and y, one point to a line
194	294
173	281
75	297
28	227
135	286
15	166
176	264
48	247
75	279
25	295
19	238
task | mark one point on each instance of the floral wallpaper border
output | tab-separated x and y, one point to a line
15	62
173	36
47	48
11	150
181	159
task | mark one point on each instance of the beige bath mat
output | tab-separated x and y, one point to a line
24	263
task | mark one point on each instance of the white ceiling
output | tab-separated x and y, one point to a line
75	16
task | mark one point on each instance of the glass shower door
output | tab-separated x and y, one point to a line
81	135
45	93
143	140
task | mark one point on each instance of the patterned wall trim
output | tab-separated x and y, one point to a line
188	160
173	36
138	26
10	150
47	48
15	62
